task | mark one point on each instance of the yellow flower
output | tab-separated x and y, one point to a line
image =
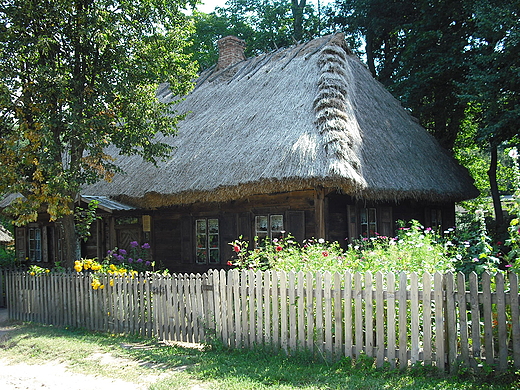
113	267
78	268
111	282
47	270
102	286
32	273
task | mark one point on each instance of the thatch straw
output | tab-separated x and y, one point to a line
291	120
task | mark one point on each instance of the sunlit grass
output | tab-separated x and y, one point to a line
173	367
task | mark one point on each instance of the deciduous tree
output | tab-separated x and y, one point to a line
75	77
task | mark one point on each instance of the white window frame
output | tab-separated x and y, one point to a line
274	226
207	242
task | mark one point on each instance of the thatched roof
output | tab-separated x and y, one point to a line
5	236
305	116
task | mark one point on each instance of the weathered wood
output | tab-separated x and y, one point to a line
327	311
380	321
438	283
427	318
475	320
391	319
501	322
369	315
348	314
515	318
414	324
338	324
284	333
292	310
403	321
320	312
358	312
463	319
451	325
487	319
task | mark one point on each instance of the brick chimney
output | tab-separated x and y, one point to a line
231	51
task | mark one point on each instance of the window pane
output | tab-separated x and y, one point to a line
201	256
261	224
214	256
213	241
213	226
201	226
276	223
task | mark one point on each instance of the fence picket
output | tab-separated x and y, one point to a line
451	326
438	282
391	319
369	315
515	318
348	314
414	312
380	321
501	321
327	311
488	319
403	321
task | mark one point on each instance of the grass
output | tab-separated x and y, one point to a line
175	367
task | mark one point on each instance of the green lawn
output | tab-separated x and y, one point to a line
175	367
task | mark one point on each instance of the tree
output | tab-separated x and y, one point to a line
76	76
265	25
493	83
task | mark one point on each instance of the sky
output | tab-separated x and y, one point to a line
209	5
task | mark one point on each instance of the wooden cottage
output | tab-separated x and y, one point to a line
301	140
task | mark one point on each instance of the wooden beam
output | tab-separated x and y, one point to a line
319	211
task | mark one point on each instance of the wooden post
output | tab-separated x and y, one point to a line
319	211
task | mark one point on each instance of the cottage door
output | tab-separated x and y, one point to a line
127	234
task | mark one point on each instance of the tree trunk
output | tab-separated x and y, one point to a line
297	11
70	243
492	174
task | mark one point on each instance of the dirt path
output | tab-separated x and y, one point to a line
50	376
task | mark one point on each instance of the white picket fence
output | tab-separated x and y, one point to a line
400	320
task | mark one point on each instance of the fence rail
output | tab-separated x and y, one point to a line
401	320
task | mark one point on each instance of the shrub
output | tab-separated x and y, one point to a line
415	249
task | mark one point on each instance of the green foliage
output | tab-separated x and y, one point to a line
76	77
514	227
84	219
265	25
7	257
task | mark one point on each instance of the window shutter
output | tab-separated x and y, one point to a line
296	224
244	226
45	245
21	243
353	233
386	223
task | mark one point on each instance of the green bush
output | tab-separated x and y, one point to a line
7	257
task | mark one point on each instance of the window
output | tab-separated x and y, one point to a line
207	241
268	226
35	244
368	222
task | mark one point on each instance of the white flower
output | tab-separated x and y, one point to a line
321	240
513	153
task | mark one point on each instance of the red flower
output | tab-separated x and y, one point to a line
499	243
230	263
278	248
325	253
236	248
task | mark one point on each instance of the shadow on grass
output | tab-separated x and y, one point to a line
258	368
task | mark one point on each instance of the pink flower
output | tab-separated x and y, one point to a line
236	248
278	248
230	263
